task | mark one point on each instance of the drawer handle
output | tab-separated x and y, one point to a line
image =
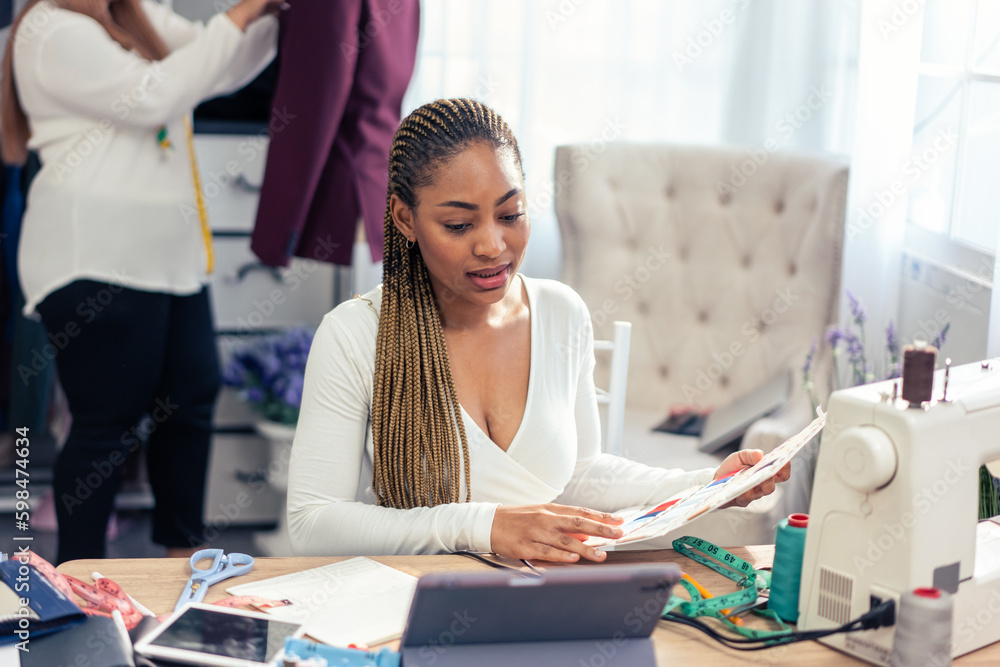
251	477
243	184
250	267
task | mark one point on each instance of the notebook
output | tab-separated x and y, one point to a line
10	605
49	609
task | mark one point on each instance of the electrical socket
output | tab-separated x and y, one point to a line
879	594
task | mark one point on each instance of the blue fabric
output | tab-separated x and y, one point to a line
31	377
10	225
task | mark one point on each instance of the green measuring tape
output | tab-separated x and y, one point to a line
735	569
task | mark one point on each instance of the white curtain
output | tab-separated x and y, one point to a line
688	71
888	53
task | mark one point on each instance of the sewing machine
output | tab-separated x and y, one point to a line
895	506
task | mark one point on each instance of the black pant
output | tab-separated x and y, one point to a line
133	364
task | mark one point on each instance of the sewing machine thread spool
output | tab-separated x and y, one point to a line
786	575
918	373
923	629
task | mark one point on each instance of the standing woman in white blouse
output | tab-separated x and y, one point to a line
115	247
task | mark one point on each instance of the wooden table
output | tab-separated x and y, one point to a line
157	583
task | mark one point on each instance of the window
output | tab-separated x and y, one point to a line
956	133
694	72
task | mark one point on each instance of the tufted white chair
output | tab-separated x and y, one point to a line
727	263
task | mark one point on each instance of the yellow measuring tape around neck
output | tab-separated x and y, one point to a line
199	198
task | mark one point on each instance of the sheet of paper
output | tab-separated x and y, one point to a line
354	601
10	656
645	523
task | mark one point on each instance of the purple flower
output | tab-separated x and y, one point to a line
255	395
270	368
939	338
855	350
857	310
809	358
856	357
278	386
834	336
293	394
247	357
269	371
892	340
234	374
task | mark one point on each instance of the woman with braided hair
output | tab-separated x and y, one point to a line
453	407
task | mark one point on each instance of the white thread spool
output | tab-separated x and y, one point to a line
923	629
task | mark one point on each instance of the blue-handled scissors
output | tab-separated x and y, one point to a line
222	567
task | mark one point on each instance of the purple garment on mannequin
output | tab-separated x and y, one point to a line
345	65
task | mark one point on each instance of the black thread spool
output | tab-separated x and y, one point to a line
918	373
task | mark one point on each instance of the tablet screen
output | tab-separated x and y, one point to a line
227	635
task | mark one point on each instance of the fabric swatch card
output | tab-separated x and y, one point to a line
646	523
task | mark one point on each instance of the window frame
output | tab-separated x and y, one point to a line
946	249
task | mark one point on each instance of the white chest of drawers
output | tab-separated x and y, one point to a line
246	472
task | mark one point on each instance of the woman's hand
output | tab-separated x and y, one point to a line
550	532
747	458
249	11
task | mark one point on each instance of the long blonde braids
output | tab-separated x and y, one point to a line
417	427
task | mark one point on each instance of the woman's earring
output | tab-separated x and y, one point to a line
410	244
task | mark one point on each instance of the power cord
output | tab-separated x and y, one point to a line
532	567
882	615
535	572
